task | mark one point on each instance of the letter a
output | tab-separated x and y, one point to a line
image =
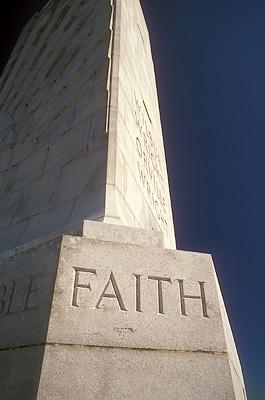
117	294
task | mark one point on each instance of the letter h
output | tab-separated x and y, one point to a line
185	296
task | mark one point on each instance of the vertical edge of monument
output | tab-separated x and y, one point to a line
137	182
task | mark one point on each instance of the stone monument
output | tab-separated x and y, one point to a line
95	300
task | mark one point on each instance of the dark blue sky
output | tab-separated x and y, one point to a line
210	64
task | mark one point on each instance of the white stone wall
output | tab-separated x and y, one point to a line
80	124
53	100
138	177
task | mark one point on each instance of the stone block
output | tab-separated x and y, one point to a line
90	205
10	237
26	286
26	364
83	173
109	316
47	222
125	321
66	147
101	71
88	106
133	375
98	126
27	170
41	197
9	204
122	234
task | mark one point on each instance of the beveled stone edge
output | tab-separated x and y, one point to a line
97	231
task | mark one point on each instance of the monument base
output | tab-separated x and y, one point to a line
112	314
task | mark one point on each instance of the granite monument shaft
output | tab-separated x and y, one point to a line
95	300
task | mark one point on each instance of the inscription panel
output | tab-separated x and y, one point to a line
141	166
149	169
26	290
112	294
19	295
140	285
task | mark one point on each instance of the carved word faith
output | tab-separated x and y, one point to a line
20	295
111	291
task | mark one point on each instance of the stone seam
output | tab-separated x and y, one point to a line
55	344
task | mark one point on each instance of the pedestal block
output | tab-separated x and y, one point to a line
112	314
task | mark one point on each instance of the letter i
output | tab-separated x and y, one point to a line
138	293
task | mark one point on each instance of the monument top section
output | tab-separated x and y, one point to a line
81	134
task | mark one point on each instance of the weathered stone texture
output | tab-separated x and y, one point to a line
80	127
138	175
93	310
106	316
53	120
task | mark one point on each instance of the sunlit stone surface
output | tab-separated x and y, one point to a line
111	314
92	310
80	125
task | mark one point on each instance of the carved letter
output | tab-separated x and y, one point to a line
80	285
139	147
160	292
31	289
9	311
117	294
2	297
184	296
138	293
